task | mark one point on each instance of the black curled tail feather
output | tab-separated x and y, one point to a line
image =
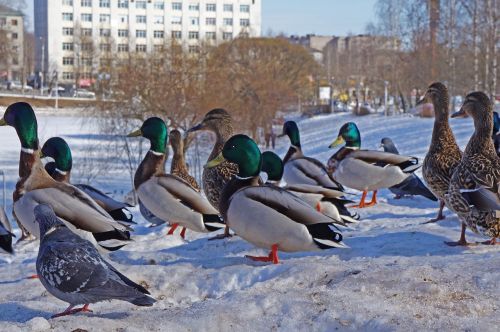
120	215
6	243
410	165
115	234
213	222
324	235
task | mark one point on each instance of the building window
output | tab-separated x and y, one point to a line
67	46
140	19
68	61
194	20
140	48
67	2
86	62
123	18
122	3
86	3
157	48
176	34
67	16
87	47
210	21
104	3
228	7
122	33
85	75
140	4
68	76
158	34
227	21
87	32
211	7
104	18
104	32
122	47
177	20
193	35
105	47
244	35
159	19
211	35
3	21
105	62
194	6
194	49
67	31
227	35
176	6
14	22
159	5
245	8
245	22
14	35
140	33
86	17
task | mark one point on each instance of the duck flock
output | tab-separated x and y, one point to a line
300	204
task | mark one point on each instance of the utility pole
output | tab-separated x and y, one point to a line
385	98
43	66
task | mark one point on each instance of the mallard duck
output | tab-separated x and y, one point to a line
168	196
60	170
214	179
362	169
444	155
474	192
300	169
267	216
496	135
327	201
35	186
412	186
178	166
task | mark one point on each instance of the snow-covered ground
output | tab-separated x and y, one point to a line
397	275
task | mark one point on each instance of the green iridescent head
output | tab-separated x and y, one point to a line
243	151
22	117
155	130
291	129
348	133
58	149
272	165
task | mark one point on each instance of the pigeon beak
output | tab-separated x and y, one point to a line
135	133
337	142
216	161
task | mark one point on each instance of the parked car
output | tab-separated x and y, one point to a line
17	85
82	93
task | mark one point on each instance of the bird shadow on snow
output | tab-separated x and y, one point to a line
15	312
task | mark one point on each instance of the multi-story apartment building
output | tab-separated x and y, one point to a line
12	40
87	33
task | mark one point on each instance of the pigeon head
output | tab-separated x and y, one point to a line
46	218
388	145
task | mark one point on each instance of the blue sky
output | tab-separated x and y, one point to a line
327	17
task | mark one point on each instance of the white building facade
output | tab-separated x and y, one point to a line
12	27
66	30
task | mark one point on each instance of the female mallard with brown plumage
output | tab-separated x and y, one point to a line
178	166
444	155
474	192
35	186
214	179
168	196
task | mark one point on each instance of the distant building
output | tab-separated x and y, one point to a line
78	36
314	44
12	38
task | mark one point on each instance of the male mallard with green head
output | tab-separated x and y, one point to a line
300	169
444	155
474	192
267	216
167	196
214	179
178	166
35	186
362	169
60	170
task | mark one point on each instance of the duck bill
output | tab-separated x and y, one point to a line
196	128
216	161
3	122
135	133
337	142
459	114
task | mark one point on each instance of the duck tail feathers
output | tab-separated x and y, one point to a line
122	215
326	236
213	222
115	234
6	243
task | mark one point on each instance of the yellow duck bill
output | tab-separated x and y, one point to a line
135	133
216	161
337	142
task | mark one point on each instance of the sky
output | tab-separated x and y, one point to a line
321	17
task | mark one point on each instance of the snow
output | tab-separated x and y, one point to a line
398	274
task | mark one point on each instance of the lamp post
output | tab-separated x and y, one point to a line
43	65
386	83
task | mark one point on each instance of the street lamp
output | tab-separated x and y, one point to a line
43	65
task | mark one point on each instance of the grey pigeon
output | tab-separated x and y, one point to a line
71	269
5	233
412	185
